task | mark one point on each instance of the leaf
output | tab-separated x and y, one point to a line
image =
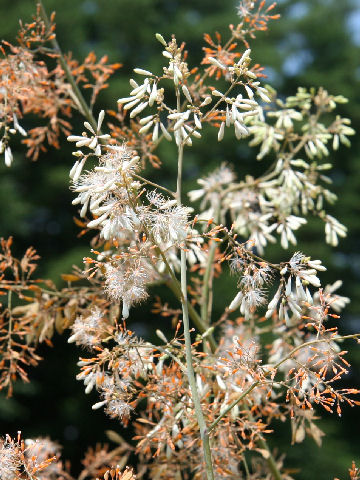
316	433
69	277
60	323
300	434
115	437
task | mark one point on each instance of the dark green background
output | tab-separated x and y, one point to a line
316	43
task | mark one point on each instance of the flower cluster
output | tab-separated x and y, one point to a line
37	459
87	331
10	460
291	297
186	122
295	187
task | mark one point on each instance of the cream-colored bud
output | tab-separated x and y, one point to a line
161	39
141	71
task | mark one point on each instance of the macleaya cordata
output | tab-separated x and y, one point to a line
205	397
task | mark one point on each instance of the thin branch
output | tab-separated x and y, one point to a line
233	404
173	194
208	277
77	92
171	355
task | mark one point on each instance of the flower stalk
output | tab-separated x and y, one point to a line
204	434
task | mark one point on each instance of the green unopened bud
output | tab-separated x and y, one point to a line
78	153
208	332
161	39
324	166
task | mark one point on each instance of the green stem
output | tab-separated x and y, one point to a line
204	434
246	466
207	280
9	306
195	317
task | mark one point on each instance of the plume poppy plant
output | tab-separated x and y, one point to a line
204	401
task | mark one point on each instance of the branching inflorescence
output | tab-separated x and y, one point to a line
201	408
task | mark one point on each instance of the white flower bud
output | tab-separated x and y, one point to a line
206	101
133	83
249	92
18	127
77	172
155	134
146	119
97	221
251	74
89	387
92	145
220	382
141	71
215	62
100	120
128	106
74	138
73	170
244	56
186	93
162	337
89	127
197	122
177	72
221	131
165	132
262	92
8	157
138	109
98	405
236	302
146	127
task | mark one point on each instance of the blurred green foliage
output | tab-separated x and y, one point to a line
316	43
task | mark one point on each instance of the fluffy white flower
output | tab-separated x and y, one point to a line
9	460
87	331
126	280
